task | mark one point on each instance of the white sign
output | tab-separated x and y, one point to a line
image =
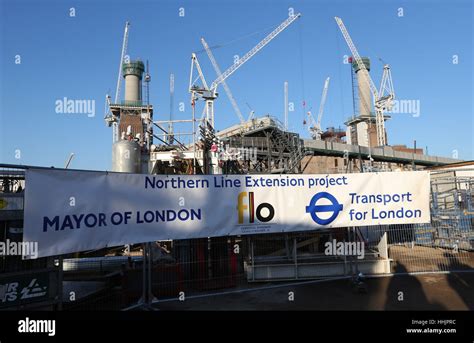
71	211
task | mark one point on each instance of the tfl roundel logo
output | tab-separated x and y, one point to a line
314	209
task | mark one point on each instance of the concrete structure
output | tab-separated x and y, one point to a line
365	97
134	119
133	72
361	127
273	152
333	135
395	159
404	148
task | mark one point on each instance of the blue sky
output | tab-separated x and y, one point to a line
77	57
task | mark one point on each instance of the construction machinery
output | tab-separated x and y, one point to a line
382	98
251	113
314	127
113	120
224	83
209	94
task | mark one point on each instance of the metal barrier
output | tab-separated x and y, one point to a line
134	276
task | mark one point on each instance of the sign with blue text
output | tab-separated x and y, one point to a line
71	211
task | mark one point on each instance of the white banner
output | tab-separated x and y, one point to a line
71	211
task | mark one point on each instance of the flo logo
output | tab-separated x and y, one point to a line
314	209
264	211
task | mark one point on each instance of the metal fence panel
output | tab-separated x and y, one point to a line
116	278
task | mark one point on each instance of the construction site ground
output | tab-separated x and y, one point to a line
436	292
421	258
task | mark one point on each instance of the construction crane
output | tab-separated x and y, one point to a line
194	89
146	83
315	127
386	93
209	94
224	84
382	98
119	79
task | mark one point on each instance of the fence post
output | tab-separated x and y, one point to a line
354	234
295	258
147	295
351	262
253	260
60	283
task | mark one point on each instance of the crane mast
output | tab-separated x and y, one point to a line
323	102
315	128
192	87
386	93
119	79
312	125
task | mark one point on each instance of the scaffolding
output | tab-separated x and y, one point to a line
274	149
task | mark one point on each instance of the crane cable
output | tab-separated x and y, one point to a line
218	46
